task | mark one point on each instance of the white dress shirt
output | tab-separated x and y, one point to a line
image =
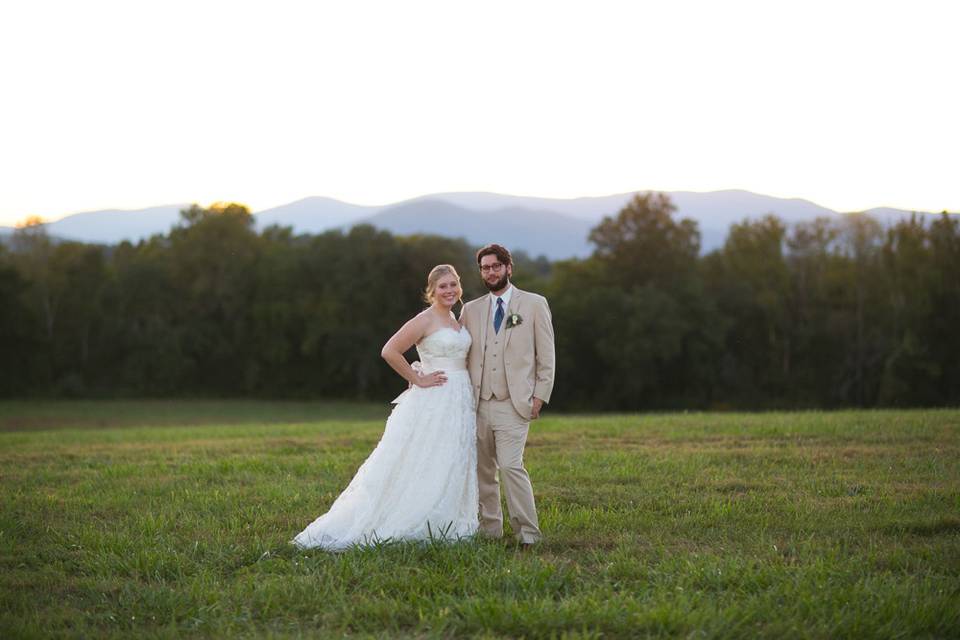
506	302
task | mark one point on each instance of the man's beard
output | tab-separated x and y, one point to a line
499	284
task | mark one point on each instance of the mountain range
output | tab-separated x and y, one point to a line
556	228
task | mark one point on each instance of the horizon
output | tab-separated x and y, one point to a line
374	103
439	195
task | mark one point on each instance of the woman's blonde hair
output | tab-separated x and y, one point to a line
434	276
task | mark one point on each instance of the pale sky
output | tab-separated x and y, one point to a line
139	103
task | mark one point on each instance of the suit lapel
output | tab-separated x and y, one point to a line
485	323
515	301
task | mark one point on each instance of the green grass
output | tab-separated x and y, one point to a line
172	519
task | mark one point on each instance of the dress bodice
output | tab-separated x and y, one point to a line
444	343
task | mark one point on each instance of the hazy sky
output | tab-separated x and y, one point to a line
139	103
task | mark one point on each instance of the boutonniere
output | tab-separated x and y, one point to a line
513	320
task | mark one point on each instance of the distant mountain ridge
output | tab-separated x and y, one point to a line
314	215
550	233
554	227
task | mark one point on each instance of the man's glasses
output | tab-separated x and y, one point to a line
496	267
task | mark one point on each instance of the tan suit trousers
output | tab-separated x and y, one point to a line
501	436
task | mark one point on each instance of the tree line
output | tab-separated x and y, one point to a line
829	313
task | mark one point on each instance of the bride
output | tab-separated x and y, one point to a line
420	482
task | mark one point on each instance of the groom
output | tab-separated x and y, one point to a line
511	364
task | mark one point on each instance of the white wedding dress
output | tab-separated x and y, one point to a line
420	482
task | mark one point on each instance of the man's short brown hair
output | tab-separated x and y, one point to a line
495	250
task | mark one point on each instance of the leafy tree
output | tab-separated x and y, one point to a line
643	244
750	281
861	237
81	278
18	341
148	347
634	320
32	249
944	316
213	258
818	309
910	368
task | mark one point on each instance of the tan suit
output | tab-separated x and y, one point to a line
508	369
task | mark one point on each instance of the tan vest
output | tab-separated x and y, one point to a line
493	380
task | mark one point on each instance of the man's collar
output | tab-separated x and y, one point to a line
506	295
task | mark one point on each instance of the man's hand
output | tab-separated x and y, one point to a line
537	405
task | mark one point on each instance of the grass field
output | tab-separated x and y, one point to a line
171	519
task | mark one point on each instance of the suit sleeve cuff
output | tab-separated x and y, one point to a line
543	393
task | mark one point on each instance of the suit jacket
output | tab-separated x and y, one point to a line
528	353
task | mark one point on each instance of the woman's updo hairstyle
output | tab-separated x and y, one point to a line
439	271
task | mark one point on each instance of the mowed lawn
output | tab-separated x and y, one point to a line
171	519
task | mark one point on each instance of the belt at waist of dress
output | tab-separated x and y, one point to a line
443	364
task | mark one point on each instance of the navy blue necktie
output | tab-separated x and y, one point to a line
498	316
